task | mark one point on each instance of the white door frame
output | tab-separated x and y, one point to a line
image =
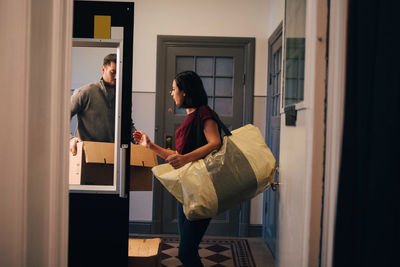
334	131
35	113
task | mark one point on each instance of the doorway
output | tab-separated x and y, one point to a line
98	211
226	67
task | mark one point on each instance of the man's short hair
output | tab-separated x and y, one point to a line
110	58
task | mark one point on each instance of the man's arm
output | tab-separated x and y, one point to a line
76	106
76	102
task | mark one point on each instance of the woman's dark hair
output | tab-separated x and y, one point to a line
192	86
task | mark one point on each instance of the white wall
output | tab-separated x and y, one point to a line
13	101
197	18
86	64
301	154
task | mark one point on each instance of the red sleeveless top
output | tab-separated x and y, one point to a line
186	134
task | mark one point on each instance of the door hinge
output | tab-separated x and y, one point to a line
244	78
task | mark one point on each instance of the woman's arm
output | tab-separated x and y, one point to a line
142	139
213	142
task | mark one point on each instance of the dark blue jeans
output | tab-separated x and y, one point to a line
190	235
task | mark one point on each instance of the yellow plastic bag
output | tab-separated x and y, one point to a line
242	168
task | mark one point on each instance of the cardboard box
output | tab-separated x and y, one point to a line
144	252
94	165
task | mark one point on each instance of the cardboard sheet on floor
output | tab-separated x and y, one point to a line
144	252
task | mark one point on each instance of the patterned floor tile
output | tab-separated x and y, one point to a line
213	253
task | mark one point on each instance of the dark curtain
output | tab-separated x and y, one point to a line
367	223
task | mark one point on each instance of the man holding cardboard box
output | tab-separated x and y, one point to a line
94	105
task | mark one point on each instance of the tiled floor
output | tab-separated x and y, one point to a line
211	255
219	254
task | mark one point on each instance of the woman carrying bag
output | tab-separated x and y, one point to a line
188	92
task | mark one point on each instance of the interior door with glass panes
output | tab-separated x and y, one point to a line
99	173
272	137
222	73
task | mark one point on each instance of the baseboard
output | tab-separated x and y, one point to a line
255	230
140	227
145	227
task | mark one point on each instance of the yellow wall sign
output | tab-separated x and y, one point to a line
102	27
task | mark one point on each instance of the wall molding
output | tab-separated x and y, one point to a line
140	227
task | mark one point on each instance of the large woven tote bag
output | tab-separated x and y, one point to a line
242	168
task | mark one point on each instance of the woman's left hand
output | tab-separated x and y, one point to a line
177	160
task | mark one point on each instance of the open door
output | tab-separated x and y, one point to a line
99	209
273	129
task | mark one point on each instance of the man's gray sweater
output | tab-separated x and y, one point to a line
95	109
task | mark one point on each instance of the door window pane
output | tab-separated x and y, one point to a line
224	66
211	102
291	94
205	66
184	63
295	14
223	86
223	106
216	74
208	84
275	84
273	106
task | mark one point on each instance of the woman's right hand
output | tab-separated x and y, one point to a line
141	138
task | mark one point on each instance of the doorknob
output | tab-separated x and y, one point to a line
274	185
168	142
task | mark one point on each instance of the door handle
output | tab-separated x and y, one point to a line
274	185
168	142
122	172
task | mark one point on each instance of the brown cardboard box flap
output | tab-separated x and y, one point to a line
100	152
93	165
143	157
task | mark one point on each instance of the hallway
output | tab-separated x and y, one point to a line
320	79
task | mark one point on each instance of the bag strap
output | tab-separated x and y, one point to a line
221	124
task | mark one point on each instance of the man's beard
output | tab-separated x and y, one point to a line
108	85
